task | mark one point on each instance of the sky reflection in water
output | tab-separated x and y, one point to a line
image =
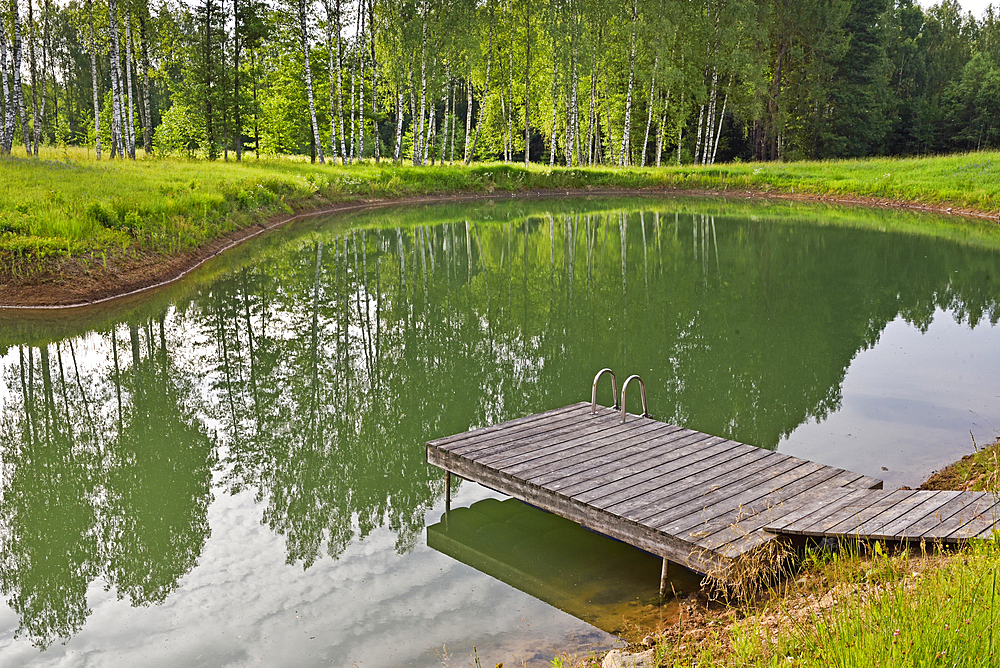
232	472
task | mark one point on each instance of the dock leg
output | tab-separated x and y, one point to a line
664	582
447	492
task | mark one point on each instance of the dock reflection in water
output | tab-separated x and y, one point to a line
597	579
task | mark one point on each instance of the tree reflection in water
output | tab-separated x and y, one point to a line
313	375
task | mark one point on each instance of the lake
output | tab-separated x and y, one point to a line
231	471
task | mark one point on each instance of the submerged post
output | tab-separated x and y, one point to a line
663	580
447	491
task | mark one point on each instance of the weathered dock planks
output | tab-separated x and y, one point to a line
674	492
698	500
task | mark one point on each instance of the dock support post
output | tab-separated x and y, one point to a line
447	492
663	579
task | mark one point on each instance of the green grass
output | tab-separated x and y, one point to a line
66	204
852	610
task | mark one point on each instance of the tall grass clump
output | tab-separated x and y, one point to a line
855	610
943	616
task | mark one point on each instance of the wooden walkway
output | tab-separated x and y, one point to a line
695	499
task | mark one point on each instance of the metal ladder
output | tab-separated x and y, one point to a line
614	393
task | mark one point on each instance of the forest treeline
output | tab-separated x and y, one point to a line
574	82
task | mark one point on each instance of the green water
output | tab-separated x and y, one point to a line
231	471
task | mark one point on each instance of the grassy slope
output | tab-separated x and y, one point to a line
863	605
66	203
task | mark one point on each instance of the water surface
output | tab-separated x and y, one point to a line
231	471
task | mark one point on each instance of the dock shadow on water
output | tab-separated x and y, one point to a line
597	579
232	470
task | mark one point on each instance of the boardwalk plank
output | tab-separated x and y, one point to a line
730	504
983	518
875	516
696	450
672	449
955	501
915	508
971	507
823	500
693	486
527	436
448	442
718	490
826	515
716	533
633	442
613	465
563	443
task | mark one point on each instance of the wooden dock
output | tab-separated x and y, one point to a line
694	499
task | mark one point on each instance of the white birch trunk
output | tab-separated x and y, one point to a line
130	119
447	101
331	23
147	129
33	72
697	144
93	78
414	121
555	104
649	115
399	127
592	119
304	41
680	137
710	118
419	136
117	147
340	89
361	87
468	114
626	134
505	129
354	82
527	83
573	141
454	126
431	114
718	133
18	87
659	137
46	10
486	89
376	149
7	123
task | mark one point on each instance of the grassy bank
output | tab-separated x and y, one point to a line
861	604
67	205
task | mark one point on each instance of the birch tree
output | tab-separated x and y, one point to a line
93	78
7	127
304	38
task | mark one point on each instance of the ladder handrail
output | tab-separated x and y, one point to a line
614	390
642	388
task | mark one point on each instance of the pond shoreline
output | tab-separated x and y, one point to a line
709	627
75	282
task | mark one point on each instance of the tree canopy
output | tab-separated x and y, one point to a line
576	82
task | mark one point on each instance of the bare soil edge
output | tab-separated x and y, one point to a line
66	284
